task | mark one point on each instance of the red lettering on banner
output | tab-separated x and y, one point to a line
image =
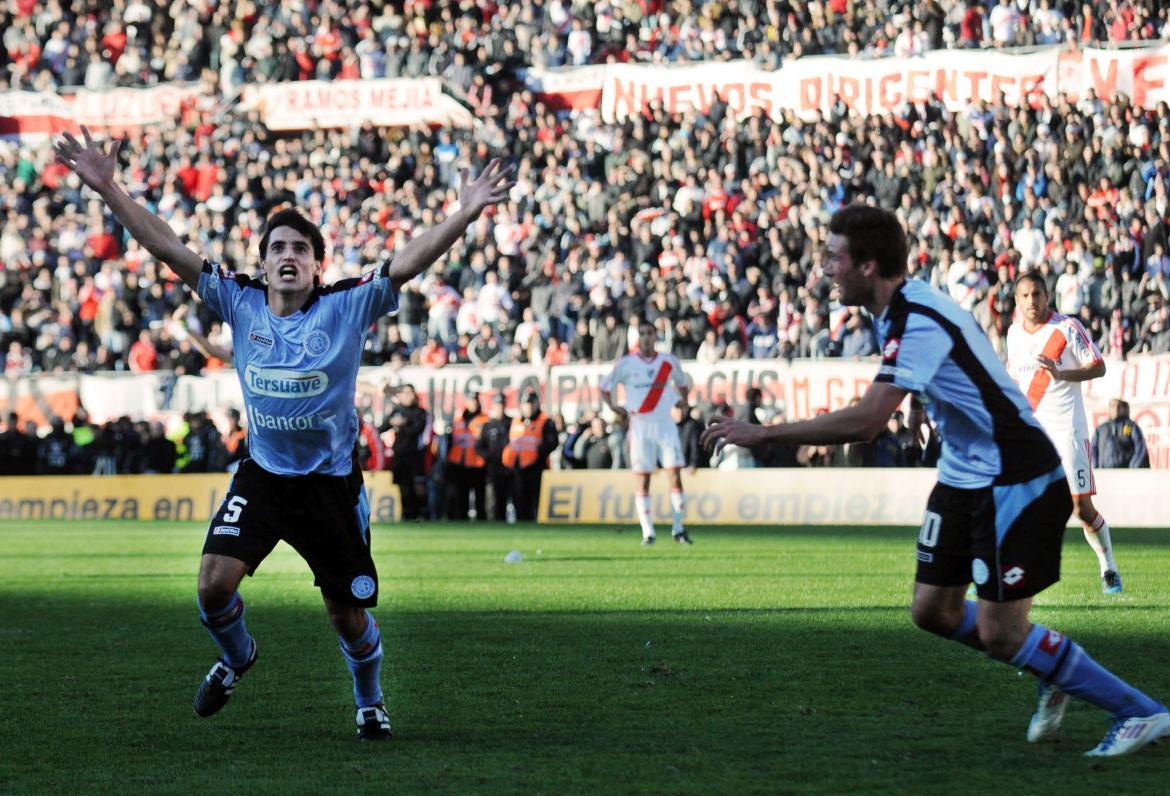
1031	88
833	387
810	94
734	96
704	102
1142	86
1104	86
623	91
946	85
759	92
975	78
675	97
849	90
1000	83
1129	381
916	88
798	403
889	102
1161	380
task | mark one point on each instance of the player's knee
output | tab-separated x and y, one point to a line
214	593
1000	641
217	584
933	618
349	621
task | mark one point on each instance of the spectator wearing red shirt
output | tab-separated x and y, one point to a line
143	357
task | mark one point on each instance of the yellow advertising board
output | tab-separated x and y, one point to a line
147	497
810	496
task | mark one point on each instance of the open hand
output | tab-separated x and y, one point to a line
729	431
1048	364
489	188
92	162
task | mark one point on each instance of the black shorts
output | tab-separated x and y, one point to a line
325	518
1005	539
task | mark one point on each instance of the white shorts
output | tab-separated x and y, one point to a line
1076	457
653	442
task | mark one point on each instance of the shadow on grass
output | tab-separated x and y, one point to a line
789	700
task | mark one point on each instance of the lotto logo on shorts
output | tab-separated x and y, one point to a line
362	587
1013	577
225	530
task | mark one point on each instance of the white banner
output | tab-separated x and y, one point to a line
30	114
347	103
1143	75
576	88
877	86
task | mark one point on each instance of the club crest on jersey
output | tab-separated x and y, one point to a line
362	587
317	343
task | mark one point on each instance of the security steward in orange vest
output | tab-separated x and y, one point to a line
532	438
465	464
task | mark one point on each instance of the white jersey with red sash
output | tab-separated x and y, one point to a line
651	389
1058	405
651	385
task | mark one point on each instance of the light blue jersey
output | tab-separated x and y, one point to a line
935	349
299	373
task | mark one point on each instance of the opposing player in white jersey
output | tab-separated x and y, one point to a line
652	384
1049	355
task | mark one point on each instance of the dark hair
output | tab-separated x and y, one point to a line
292	218
1031	276
873	234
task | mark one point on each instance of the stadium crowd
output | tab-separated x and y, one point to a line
711	227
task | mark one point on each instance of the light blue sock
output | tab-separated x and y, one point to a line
1058	660
363	656
228	631
965	632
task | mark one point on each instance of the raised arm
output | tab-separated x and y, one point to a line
490	187
95	166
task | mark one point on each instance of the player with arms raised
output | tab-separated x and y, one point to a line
297	346
1049	355
652	383
998	513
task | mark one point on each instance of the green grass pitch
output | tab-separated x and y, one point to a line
760	660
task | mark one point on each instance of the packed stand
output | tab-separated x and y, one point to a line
709	226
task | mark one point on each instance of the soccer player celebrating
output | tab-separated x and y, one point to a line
998	513
653	383
297	345
1049	355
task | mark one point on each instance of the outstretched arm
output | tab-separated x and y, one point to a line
858	423
94	165
487	189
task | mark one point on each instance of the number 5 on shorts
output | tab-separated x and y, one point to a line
928	533
235	507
